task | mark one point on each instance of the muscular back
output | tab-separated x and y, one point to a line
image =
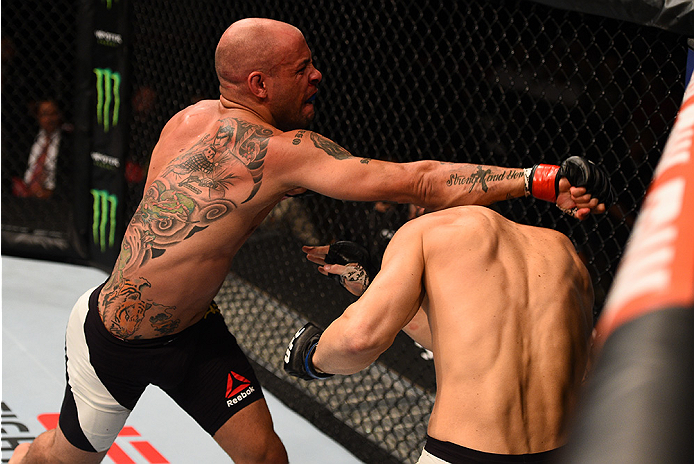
510	309
201	202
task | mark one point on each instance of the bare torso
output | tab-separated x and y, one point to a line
215	173
510	309
202	200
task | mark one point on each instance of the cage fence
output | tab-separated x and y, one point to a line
498	83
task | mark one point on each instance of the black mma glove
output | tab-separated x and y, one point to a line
297	359
542	180
346	252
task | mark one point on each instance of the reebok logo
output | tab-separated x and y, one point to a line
238	388
236	383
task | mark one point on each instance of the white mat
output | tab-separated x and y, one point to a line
37	297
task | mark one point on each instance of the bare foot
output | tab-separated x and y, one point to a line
19	452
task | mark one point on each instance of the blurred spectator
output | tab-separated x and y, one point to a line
16	116
48	155
290	215
384	220
143	101
145	130
9	52
197	96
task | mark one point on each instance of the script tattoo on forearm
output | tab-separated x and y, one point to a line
330	147
189	194
482	177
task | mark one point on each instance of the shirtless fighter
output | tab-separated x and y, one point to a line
217	170
506	310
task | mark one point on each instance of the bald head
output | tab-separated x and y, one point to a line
251	44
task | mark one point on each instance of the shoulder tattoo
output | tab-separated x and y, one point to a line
204	168
330	147
192	191
298	137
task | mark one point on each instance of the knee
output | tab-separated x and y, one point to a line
36	451
268	451
275	453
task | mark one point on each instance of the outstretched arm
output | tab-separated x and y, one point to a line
317	163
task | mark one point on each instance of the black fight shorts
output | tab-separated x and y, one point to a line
201	368
444	452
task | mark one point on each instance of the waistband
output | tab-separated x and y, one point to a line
454	454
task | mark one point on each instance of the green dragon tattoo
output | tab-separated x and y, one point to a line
189	194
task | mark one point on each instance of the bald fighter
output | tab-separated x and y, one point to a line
506	310
217	170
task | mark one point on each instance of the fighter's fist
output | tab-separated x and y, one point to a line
584	173
297	359
586	188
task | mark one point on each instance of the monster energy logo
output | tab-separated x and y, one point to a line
104	220
107	94
109	3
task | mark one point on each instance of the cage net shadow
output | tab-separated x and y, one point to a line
498	83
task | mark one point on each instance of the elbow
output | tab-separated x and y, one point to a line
367	346
423	185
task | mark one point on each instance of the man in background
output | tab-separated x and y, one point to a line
48	156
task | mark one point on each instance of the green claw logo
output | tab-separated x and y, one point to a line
107	97
104	218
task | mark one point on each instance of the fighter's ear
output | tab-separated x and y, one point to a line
257	84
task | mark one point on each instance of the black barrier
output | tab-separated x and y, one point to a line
638	406
489	82
105	47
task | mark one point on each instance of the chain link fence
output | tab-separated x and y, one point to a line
38	59
499	83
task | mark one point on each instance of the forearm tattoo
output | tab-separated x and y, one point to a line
330	147
482	177
189	195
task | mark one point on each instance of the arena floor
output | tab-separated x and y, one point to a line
37	297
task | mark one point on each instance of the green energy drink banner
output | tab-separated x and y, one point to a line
107	126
